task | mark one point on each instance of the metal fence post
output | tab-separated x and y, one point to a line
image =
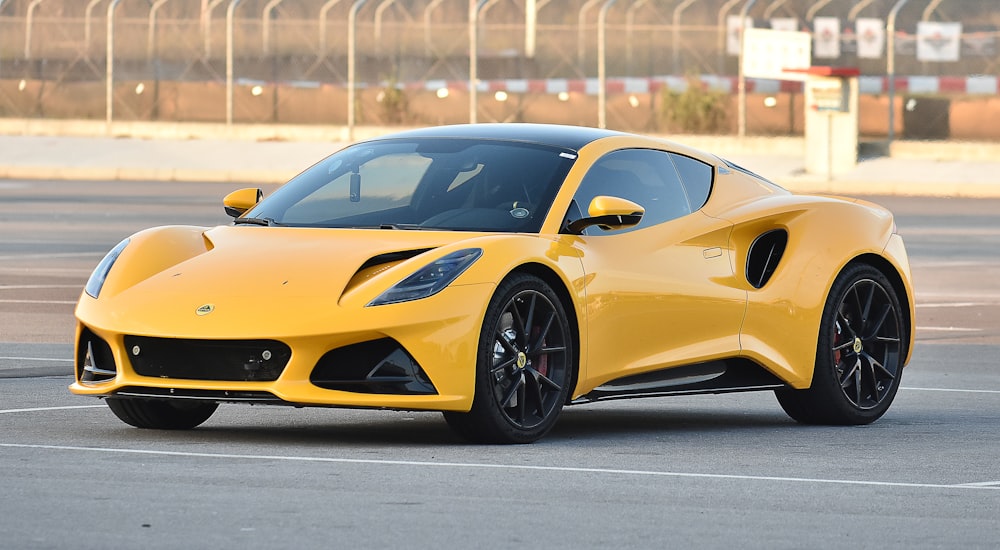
629	24
2	2
581	34
427	25
379	10
676	34
773	7
853	13
110	84
742	85
230	13
207	19
87	16
474	7
28	20
530	27
930	10
265	24
890	32
323	11
814	9
721	30
352	20
602	72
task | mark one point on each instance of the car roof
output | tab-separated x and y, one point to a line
568	137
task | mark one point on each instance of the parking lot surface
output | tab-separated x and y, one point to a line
707	471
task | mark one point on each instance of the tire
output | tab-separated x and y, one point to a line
161	414
859	355
524	365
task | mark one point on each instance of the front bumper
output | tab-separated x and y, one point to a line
412	355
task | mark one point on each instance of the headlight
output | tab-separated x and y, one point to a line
430	279
96	280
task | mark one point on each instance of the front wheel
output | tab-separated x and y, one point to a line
161	414
523	368
859	357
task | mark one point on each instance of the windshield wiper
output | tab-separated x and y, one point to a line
393	226
268	222
401	226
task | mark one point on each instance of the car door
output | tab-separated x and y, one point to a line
661	293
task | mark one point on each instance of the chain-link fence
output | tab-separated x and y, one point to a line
287	61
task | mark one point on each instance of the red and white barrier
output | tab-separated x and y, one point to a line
871	85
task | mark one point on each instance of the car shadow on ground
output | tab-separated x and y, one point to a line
323	427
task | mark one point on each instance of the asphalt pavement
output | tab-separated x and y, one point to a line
698	471
951	170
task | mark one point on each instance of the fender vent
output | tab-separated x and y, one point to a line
764	255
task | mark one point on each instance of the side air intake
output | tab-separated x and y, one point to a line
764	255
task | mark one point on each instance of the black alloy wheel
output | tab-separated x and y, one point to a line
859	358
524	365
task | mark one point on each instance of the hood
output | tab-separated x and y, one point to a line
255	280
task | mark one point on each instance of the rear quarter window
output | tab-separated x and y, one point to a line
696	176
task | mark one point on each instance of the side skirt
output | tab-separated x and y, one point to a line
724	376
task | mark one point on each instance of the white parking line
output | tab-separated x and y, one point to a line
960	296
54	255
34	359
952	304
35	287
983	484
51	302
950	329
496	466
37	409
48	270
948	390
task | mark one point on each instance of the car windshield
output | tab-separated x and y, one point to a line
426	183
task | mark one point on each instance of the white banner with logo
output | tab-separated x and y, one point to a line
826	38
870	33
733	33
938	41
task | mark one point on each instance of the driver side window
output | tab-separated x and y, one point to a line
644	176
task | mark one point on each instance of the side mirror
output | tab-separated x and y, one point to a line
608	213
238	202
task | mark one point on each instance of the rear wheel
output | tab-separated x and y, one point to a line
161	414
523	369
859	357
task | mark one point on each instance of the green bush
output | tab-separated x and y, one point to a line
395	105
696	110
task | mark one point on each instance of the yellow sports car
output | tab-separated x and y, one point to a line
498	272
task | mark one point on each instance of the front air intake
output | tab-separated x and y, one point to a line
94	361
764	255
228	360
378	366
